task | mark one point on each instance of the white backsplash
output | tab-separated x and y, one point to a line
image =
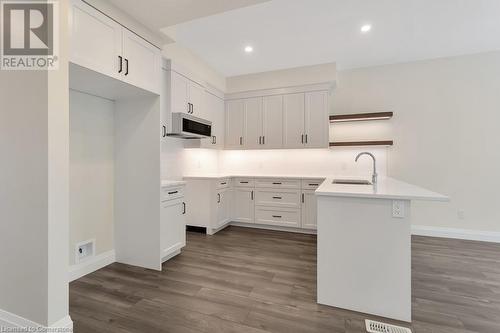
337	161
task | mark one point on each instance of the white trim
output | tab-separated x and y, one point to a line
325	86
11	320
93	264
467	234
274	227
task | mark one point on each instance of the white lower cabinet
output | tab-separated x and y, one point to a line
283	202
173	223
243	207
309	209
285	217
223	207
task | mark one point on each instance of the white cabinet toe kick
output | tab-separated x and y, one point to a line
281	203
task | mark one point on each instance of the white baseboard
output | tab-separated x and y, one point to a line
274	227
476	235
13	321
91	265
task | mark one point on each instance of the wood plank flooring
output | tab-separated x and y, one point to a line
250	280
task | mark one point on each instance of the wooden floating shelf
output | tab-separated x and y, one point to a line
361	116
361	143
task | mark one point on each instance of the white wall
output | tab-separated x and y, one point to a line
184	57
445	129
282	78
34	189
91	172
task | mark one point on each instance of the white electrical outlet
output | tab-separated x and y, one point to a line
84	250
398	208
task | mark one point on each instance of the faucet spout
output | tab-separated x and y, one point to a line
374	174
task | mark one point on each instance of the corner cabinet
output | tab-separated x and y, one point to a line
295	120
101	44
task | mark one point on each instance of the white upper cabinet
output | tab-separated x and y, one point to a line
213	107
316	120
272	122
141	62
179	92
294	113
235	124
187	96
96	40
253	123
104	46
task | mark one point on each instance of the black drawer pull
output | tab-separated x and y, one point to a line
173	192
277	216
243	182
277	198
313	184
223	183
276	183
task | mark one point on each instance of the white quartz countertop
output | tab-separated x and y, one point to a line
172	183
218	176
387	188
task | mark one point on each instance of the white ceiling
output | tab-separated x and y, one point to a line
292	33
156	14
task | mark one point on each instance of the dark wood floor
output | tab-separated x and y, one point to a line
249	280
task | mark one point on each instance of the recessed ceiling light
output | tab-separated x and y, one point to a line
365	28
248	49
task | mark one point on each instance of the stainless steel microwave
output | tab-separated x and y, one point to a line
187	126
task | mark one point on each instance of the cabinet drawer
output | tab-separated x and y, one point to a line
283	216
223	183
170	193
312	183
278	183
277	198
243	182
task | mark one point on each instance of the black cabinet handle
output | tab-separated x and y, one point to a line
223	183
277	216
243	182
218	197
126	63
276	183
303	198
183	208
192	108
302	138
313	184
277	198
121	64
215	139
252	195
306	138
241	140
173	192
164	131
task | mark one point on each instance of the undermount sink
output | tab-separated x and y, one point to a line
352	181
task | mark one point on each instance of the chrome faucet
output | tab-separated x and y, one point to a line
374	175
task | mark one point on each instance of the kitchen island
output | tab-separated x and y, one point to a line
364	246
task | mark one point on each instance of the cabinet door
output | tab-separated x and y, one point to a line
253	123
179	91
172	227
141	62
316	119
223	207
293	108
214	111
309	209
272	124
243	208
96	40
235	119
196	98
